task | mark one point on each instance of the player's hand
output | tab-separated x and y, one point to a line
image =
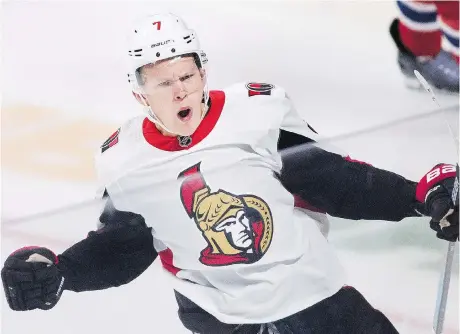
438	190
31	279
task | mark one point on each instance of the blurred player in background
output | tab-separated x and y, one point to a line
427	36
199	183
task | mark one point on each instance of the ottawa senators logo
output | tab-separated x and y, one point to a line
237	228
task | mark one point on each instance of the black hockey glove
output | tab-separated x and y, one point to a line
438	191
31	279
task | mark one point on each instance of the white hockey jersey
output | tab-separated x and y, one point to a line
225	228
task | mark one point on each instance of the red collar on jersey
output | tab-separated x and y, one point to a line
166	143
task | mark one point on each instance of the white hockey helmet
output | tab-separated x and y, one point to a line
159	37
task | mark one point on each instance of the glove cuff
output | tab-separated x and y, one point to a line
436	175
36	254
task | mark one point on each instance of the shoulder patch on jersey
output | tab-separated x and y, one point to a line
111	141
258	88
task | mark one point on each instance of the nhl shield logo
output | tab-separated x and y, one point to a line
184	141
256	88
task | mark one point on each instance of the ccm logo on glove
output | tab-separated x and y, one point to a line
433	177
436	172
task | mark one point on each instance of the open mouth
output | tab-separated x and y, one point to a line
185	114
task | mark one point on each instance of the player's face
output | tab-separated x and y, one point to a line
174	92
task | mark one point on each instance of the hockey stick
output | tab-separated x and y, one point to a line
444	281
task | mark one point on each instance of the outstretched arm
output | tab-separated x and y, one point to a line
109	257
114	255
348	189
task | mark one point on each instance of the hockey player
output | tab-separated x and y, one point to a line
427	37
199	183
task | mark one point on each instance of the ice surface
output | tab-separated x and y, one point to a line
64	91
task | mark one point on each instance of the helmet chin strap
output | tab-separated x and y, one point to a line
205	100
150	114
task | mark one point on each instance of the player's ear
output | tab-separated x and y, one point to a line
203	73
141	99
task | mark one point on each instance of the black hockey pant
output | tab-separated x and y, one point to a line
346	312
